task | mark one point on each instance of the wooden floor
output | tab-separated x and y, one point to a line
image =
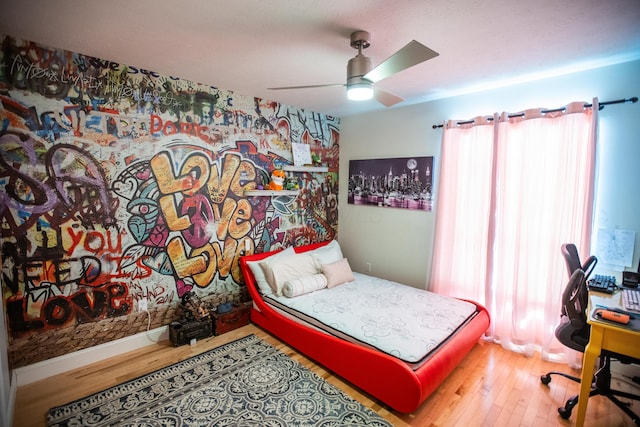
492	387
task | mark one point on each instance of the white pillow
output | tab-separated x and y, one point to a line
287	268
327	254
304	285
258	274
338	273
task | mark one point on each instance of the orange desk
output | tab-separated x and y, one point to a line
604	336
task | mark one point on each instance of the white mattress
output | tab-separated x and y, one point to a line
400	320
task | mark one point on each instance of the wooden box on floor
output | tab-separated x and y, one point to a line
236	318
182	333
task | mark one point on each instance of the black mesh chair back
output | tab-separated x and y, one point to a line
572	260
573	330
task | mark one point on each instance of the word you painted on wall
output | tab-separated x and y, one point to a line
118	183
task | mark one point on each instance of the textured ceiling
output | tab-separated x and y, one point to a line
248	46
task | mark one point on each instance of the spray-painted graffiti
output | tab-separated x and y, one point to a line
118	184
44	192
192	220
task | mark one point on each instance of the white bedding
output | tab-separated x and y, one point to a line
399	320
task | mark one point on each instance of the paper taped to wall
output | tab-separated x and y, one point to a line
615	247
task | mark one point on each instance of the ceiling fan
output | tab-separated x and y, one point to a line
362	76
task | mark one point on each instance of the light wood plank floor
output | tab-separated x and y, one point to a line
492	387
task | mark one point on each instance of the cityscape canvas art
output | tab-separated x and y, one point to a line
404	182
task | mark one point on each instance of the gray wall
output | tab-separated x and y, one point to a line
399	243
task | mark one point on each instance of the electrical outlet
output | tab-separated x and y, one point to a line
142	304
369	267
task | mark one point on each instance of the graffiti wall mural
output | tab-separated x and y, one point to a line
118	183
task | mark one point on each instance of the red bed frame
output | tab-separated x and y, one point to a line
386	378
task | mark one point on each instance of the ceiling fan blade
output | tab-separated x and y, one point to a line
386	98
411	54
305	87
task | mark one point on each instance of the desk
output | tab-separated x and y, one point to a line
604	336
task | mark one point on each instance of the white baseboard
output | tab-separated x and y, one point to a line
57	365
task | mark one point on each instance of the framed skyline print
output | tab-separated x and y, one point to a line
403	182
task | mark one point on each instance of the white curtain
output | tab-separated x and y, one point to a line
512	190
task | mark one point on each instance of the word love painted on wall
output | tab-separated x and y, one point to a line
118	184
212	205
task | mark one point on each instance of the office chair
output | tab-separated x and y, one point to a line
574	332
572	260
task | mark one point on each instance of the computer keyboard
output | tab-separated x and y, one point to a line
602	283
631	299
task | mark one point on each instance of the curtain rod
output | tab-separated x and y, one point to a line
632	100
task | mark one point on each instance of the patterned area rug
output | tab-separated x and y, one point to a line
243	383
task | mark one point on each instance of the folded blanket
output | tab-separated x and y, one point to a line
304	285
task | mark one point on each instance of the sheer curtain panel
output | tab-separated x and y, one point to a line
464	210
507	203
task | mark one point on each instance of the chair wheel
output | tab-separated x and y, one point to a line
545	379
564	413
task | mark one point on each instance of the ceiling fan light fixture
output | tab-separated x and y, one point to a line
361	91
359	88
362	76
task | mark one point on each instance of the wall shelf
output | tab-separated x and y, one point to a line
268	193
287	168
292	168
